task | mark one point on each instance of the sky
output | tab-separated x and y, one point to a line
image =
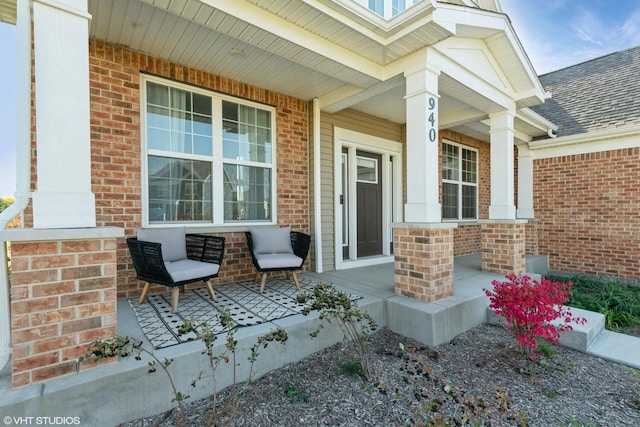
554	33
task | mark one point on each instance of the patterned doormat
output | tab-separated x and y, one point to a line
243	300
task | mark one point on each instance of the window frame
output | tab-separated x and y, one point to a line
216	159
460	183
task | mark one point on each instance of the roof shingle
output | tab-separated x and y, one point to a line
599	94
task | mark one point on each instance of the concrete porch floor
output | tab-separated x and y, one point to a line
123	391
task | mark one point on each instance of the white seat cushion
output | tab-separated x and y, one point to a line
278	260
173	241
187	269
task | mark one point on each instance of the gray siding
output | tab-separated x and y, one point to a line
357	122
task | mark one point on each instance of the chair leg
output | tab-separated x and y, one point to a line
175	293
295	279
264	280
182	289
212	294
286	273
255	279
145	292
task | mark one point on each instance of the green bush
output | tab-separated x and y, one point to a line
619	303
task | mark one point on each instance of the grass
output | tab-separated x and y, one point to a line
619	303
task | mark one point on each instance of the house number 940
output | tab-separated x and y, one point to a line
433	135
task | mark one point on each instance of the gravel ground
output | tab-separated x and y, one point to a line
479	377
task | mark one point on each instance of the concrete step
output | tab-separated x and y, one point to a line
538	264
581	337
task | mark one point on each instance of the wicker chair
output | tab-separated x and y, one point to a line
172	258
277	249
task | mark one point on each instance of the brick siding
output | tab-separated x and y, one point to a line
63	297
587	209
423	262
503	247
116	150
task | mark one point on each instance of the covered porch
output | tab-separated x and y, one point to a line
129	387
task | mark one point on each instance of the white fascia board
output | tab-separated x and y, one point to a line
591	142
338	95
458	15
534	119
293	33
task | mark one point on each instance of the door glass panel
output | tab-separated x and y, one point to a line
367	170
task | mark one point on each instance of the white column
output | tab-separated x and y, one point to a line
525	182
63	197
502	171
423	182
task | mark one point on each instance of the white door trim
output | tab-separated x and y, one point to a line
391	192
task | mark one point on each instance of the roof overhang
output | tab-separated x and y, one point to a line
334	50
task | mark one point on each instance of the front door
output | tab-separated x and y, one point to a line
369	203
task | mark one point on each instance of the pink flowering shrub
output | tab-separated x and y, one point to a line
529	307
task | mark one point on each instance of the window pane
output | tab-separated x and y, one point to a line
367	170
469	202
171	124
450	162
157	94
449	201
247	193
469	166
243	138
179	190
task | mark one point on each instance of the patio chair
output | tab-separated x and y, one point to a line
277	249
172	258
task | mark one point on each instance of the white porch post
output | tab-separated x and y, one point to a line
422	146
502	181
63	198
525	182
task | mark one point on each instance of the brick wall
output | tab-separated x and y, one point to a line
467	236
503	246
423	262
63	296
116	150
587	206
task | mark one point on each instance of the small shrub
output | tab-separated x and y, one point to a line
296	396
529	307
355	324
124	347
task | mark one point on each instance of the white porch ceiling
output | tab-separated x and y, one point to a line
306	49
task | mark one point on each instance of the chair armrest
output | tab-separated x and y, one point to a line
148	262
203	248
300	243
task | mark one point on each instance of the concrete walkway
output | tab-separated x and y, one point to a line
122	391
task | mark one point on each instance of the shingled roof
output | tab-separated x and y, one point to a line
602	93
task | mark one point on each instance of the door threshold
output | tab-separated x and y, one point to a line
364	262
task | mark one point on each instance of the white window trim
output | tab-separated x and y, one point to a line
217	161
459	182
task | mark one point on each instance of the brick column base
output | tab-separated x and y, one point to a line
63	297
423	260
503	246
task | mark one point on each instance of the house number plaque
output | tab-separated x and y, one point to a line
433	134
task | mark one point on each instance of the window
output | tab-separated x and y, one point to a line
459	182
388	8
209	158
